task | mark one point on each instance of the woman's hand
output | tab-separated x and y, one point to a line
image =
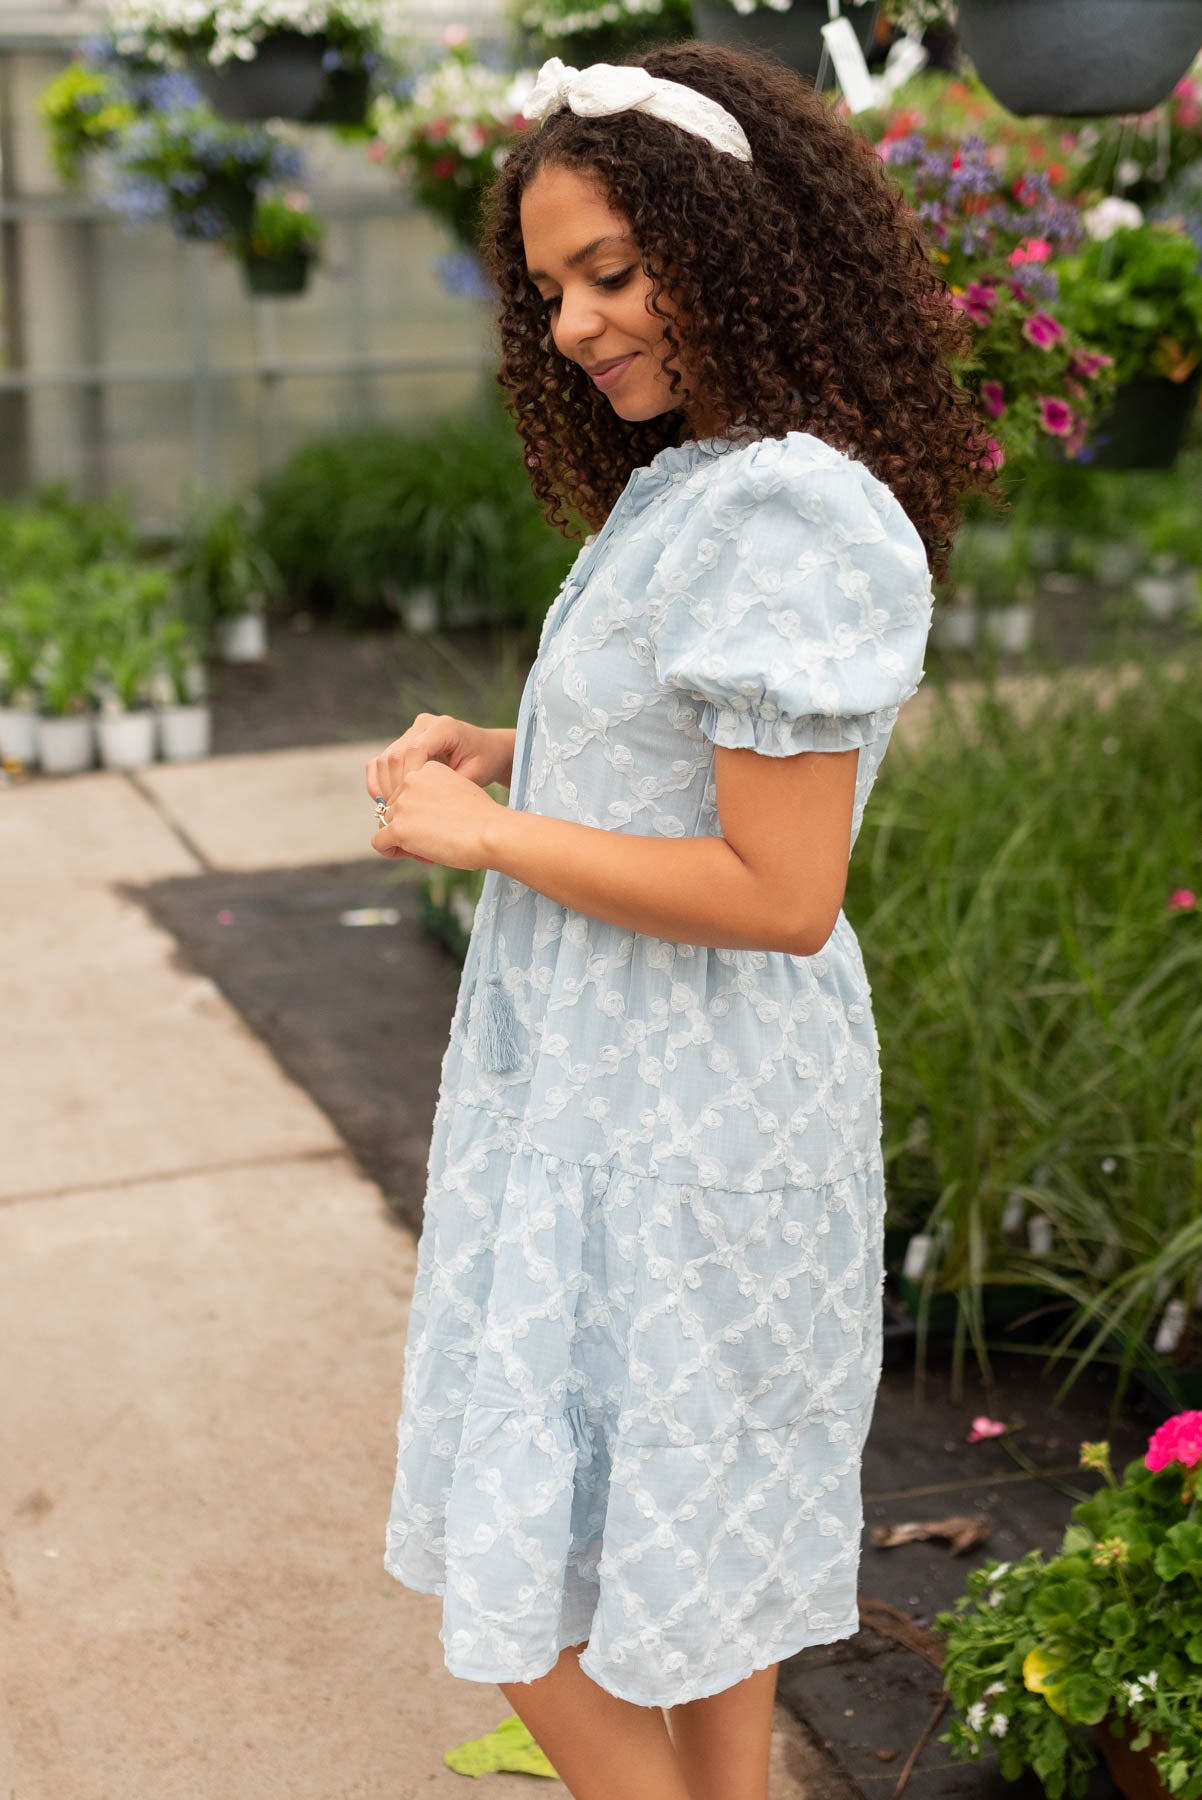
432	778
437	816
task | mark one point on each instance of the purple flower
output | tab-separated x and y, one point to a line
994	398
1056	416
1042	330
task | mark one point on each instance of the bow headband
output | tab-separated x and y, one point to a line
609	88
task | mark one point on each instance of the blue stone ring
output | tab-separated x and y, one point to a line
381	810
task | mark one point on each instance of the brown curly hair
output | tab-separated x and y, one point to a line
802	269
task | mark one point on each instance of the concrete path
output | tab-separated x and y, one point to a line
204	1309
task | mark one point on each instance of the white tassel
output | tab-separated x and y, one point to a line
498	1046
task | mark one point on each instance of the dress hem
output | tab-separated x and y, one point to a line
698	1691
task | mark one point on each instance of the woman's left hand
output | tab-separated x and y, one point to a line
439	816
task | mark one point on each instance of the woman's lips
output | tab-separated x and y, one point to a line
613	375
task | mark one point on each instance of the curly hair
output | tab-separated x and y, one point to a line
802	270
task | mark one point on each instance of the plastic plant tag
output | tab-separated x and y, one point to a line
1039	1235
841	41
509	1750
918	1252
370	915
1172	1324
1012	1216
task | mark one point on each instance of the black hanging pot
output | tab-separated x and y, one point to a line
1145	424
287	273
795	36
344	98
283	80
1080	58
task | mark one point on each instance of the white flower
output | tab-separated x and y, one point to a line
995	1687
996	1596
1111	215
1150	1679
1134	1693
976	1714
999	1724
1002	1569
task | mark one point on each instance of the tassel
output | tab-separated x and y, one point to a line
498	1046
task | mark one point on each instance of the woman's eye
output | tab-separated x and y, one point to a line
605	281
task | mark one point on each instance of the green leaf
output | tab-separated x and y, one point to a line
1117	1621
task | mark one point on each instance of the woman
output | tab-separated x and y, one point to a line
645	1338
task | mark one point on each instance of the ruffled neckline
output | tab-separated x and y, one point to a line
676	458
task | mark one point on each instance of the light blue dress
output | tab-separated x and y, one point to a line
645	1337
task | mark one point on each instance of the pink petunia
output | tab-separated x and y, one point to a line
1178	1440
985	1427
1042	330
994	398
1056	416
1088	362
1031	250
1182	900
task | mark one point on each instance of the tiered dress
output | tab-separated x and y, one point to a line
645	1337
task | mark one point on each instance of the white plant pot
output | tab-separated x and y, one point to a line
1117	563
242	637
126	739
184	731
954	627
1159	595
66	745
19	734
1010	627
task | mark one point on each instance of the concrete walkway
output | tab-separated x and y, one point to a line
204	1309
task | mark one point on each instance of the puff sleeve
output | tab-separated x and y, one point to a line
793	601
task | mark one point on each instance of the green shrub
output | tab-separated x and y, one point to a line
1023	890
356	524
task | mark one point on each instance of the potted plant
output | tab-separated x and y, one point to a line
448	132
1080	57
63	678
1098	1651
250	68
792	30
998	242
587	31
1141	156
179	690
124	604
84	110
227	575
283	242
1134	290
20	644
197	171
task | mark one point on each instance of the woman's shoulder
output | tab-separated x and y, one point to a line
803	482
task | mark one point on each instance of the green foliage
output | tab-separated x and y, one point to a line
1033	991
358	523
1039	1654
221	561
84	111
1137	295
282	226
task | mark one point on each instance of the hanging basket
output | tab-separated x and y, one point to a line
1080	58
286	274
344	98
795	36
1145	424
283	80
224	194
1132	1771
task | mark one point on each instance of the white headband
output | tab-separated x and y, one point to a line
610	87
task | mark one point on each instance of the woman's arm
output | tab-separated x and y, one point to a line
501	738
774	880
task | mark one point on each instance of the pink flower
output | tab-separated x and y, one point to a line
1056	416
454	36
1042	330
437	129
377	150
995	455
1031	250
442	167
1178	1440
983	1427
1088	362
994	398
1182	900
